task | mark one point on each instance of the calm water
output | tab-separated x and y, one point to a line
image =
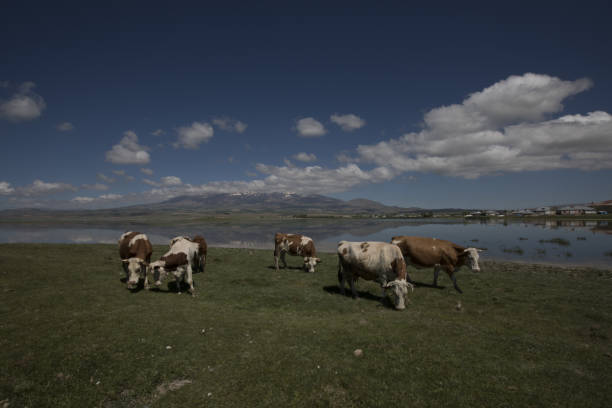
589	241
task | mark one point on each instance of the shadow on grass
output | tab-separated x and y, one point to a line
295	268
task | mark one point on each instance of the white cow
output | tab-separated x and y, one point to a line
179	261
135	252
375	261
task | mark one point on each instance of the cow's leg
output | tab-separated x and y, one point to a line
276	261
178	277
124	265
436	272
341	279
202	263
282	258
453	276
146	279
353	291
190	280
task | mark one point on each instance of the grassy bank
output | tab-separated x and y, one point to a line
72	335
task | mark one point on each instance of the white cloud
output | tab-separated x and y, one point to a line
110	196
39	187
105	178
96	186
5	188
502	129
24	105
168	181
147	171
151	182
310	127
119	172
229	125
65	127
171	181
305	157
348	122
128	151
190	137
83	200
158	132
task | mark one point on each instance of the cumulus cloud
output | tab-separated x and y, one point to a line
39	187
502	128
158	132
190	137
171	181
128	151
23	105
65	127
147	171
5	188
229	125
305	157
310	127
348	122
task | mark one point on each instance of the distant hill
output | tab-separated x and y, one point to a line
270	203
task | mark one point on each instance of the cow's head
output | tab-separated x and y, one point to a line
472	258
136	268
399	289
158	270
310	263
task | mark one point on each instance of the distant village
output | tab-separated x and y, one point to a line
570	210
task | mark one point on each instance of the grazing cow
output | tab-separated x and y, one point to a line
422	252
180	261
298	245
375	261
135	252
202	251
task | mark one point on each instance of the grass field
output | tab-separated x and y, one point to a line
72	335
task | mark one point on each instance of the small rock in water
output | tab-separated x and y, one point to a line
358	353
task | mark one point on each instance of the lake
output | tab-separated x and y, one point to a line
560	242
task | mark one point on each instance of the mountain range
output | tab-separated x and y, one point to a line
271	203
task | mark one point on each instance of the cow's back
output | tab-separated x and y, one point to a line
203	247
124	244
377	261
142	249
426	252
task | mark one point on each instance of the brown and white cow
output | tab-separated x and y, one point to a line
135	252
180	261
424	252
202	251
374	261
297	245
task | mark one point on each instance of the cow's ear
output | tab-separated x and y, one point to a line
305	259
125	261
318	260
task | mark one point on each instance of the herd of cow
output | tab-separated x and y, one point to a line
384	263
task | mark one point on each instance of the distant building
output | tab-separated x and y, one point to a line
544	211
576	210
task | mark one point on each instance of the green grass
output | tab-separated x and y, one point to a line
72	335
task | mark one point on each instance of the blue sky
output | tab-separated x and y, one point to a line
477	106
